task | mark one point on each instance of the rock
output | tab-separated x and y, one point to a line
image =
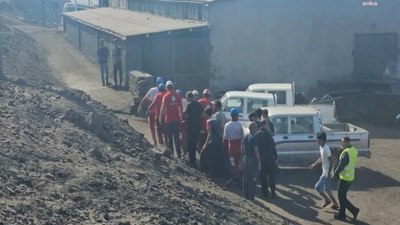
124	223
97	154
106	217
49	176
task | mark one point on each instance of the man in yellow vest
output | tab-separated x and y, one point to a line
345	171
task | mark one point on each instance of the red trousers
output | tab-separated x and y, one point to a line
152	123
234	151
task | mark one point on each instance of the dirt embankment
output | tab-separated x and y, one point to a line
67	159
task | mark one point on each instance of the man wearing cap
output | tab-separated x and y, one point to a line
117	62
102	58
155	108
232	140
171	111
205	103
147	100
193	113
346	173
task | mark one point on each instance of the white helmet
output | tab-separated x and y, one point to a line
169	84
195	93
206	92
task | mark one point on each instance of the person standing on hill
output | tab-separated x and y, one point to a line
117	62
251	162
155	108
205	102
146	101
232	141
171	111
193	122
102	58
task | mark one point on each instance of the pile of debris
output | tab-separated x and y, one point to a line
65	158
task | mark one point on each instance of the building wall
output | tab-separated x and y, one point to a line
179	56
89	43
292	40
71	30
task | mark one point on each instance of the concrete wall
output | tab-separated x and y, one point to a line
291	40
181	56
89	43
71	29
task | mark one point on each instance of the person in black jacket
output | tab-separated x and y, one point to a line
193	114
269	157
265	116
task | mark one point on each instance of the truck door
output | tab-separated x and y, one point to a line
303	147
230	103
281	138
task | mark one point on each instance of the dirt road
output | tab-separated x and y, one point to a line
376	190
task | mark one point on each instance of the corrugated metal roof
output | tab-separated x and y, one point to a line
126	23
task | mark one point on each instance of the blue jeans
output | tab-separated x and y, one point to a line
323	184
104	73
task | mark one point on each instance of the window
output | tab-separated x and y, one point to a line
302	124
233	103
280	97
280	125
253	104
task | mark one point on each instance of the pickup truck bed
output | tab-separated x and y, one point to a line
358	136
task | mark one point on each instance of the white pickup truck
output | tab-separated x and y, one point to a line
295	135
246	102
285	95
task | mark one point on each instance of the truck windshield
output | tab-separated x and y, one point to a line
302	124
253	104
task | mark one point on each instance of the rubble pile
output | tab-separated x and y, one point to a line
65	158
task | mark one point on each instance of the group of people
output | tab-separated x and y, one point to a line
194	125
103	55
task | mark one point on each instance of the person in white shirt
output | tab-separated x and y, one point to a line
232	141
323	186
147	100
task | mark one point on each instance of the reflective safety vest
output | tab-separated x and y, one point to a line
347	173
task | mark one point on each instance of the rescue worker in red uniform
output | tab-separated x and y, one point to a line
156	107
171	108
146	101
205	103
232	140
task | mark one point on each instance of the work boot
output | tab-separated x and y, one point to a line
339	217
355	214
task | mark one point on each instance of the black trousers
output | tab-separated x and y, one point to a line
117	68
192	138
172	132
268	177
343	188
